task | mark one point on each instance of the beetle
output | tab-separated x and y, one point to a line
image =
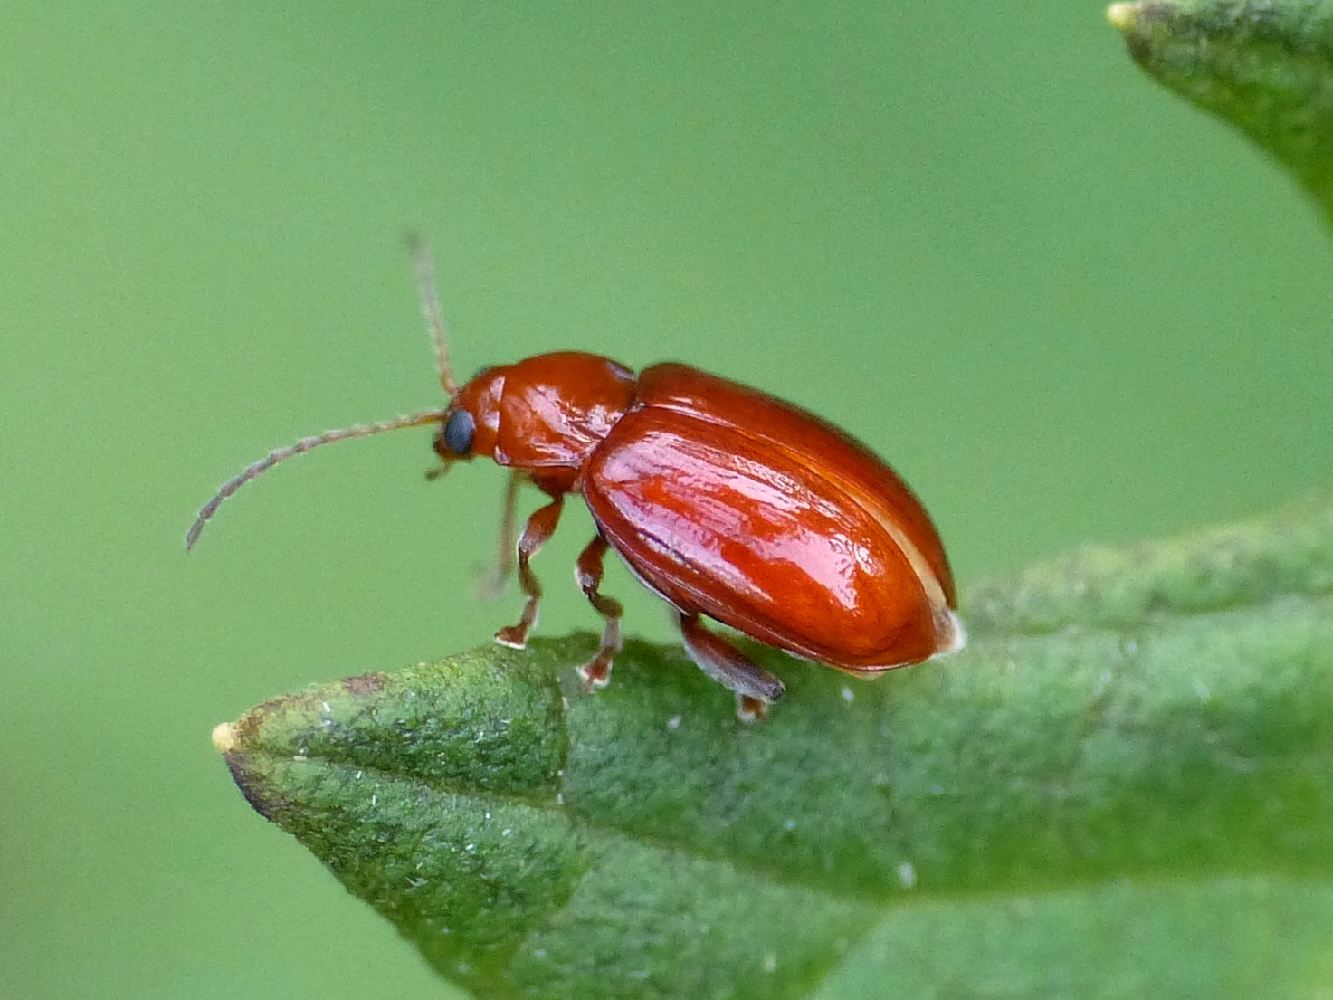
726	502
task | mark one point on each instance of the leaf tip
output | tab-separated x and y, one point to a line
224	737
1123	16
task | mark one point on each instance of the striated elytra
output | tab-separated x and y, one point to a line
724	501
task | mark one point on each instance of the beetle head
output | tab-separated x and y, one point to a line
472	419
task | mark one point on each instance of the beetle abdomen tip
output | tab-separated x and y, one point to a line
953	635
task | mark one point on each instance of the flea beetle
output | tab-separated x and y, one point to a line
726	502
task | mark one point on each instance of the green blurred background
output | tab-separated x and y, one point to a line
1065	305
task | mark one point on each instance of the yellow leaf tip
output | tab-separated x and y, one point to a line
224	737
1123	16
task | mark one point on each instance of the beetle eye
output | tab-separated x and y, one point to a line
458	432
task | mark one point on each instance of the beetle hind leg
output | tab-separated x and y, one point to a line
596	673
540	527
755	687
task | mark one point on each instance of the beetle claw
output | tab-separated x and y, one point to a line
596	674
750	709
512	638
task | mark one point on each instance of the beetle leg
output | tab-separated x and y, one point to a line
540	527
755	687
491	584
596	674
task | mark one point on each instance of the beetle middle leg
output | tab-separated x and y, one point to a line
596	673
755	687
540	527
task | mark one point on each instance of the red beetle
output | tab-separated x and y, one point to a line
721	499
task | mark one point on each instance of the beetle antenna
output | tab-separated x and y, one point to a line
430	308
256	469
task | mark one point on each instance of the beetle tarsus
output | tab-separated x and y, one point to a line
722	661
596	674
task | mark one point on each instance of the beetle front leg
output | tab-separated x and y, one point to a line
596	674
755	687
540	527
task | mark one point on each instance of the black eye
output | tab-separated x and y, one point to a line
458	432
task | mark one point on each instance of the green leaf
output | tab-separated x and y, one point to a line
1123	788
1266	66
